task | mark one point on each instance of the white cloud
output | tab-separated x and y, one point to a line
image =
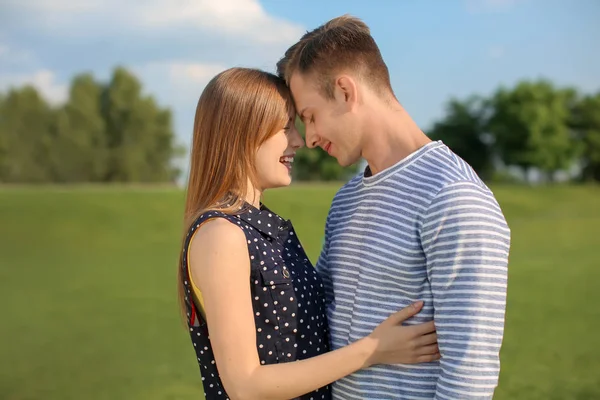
199	74
174	46
43	80
236	18
178	81
45	6
218	33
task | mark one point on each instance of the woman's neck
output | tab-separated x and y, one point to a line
253	195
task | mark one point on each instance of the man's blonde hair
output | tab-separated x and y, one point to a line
343	44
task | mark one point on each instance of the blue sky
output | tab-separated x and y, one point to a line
435	49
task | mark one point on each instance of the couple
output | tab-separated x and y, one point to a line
407	299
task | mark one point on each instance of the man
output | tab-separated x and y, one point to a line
418	224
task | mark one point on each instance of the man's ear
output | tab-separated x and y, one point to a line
346	91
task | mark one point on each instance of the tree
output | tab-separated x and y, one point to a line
317	165
103	133
139	133
586	123
79	150
463	131
25	138
530	126
4	140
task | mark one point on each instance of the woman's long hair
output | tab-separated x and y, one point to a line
238	111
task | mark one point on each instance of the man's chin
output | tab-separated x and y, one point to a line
346	162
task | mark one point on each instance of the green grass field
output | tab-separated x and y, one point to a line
87	287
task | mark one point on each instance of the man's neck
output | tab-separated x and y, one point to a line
392	136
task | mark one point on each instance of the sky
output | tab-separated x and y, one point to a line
434	49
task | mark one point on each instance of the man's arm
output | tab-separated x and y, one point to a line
466	241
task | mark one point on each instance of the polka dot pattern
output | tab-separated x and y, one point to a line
287	299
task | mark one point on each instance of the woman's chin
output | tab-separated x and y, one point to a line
281	182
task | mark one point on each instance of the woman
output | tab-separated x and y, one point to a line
244	275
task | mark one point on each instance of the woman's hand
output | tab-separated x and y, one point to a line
397	344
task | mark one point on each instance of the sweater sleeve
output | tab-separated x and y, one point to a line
466	241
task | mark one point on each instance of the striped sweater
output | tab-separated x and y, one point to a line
425	229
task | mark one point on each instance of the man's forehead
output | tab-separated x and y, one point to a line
303	91
296	85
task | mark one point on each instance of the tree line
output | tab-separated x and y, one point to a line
534	125
112	132
105	132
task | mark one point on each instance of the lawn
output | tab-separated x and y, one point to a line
87	283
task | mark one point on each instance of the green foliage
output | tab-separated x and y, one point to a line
586	123
25	137
530	127
80	152
463	130
103	133
533	125
113	132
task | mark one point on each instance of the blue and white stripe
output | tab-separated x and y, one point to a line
425	229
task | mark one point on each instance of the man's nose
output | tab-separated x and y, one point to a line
312	139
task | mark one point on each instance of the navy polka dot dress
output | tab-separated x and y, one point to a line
287	299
